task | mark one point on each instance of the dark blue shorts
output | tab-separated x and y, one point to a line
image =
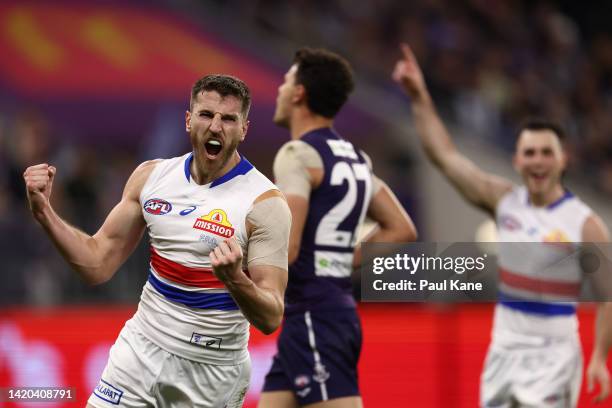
317	356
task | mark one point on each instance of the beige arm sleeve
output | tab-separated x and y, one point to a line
291	164
290	168
376	182
269	240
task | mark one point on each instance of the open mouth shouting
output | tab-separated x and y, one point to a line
213	148
538	176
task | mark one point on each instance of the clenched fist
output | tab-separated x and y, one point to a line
226	260
39	182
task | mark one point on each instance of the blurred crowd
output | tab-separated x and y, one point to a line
88	184
488	63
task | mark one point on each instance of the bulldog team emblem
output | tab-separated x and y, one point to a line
216	223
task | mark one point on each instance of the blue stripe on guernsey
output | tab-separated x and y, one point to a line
566	196
188	167
540	308
197	300
243	167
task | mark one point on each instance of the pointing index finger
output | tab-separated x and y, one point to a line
407	51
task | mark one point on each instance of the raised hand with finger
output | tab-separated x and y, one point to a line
408	73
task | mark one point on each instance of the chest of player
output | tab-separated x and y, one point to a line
197	221
537	225
539	242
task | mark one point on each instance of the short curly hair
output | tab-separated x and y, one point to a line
327	78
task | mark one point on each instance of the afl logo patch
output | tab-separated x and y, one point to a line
509	222
215	222
157	206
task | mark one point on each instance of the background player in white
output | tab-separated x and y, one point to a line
205	212
540	160
330	188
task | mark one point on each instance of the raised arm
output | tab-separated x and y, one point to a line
94	258
476	186
260	295
595	231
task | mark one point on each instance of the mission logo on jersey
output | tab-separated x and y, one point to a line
216	223
556	236
558	239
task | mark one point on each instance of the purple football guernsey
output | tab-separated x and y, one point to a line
320	278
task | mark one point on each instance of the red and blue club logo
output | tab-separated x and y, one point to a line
157	206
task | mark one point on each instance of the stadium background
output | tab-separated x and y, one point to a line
97	87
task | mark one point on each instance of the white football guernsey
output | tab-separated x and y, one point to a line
539	282
184	308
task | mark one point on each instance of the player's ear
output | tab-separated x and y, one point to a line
188	121
245	128
299	94
564	158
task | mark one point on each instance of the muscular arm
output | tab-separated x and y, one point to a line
95	258
595	231
260	297
476	186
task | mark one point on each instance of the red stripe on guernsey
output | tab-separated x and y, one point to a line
175	272
539	285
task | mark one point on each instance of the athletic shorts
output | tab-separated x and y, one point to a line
543	376
141	374
317	356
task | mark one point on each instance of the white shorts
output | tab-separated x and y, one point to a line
544	376
140	374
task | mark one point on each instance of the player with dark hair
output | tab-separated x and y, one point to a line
541	124
219	235
535	358
330	188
